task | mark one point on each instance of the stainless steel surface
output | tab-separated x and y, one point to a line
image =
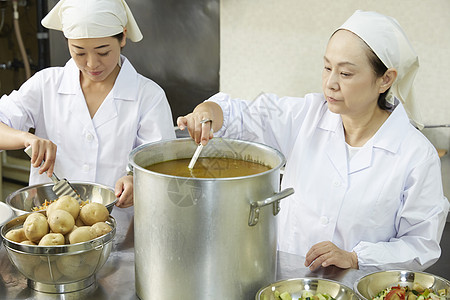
370	285
25	199
61	187
58	269
116	280
296	286
192	237
179	51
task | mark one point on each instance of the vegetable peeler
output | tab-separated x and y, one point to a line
61	187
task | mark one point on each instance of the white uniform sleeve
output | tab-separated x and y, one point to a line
156	117
419	224
267	119
19	109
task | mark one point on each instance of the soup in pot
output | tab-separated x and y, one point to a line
209	167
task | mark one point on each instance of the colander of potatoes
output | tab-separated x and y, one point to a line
60	249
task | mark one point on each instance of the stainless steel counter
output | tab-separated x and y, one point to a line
116	279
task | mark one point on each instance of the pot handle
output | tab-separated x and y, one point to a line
130	170
253	218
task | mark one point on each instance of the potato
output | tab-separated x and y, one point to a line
16	235
50	208
99	229
61	221
66	203
78	222
69	264
29	243
66	236
52	239
26	262
91	258
35	226
74	267
81	234
42	273
92	213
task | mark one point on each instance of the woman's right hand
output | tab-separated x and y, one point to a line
200	130
43	150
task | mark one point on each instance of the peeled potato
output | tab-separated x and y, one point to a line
35	226
50	208
81	234
92	213
16	235
61	221
42	273
99	229
67	203
52	239
66	236
26	262
91	258
30	243
69	264
78	222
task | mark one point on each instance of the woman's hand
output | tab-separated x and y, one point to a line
124	191
326	254
42	150
200	131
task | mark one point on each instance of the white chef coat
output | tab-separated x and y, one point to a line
136	111
386	203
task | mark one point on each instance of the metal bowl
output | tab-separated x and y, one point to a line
370	285
297	285
24	200
58	269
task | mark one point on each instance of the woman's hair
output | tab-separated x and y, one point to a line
379	69
118	36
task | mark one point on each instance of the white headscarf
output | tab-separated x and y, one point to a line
386	38
79	19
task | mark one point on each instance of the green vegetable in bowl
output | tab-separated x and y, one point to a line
306	295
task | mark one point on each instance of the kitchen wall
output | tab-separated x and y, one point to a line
12	73
278	46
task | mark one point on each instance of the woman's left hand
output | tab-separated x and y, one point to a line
124	191
327	254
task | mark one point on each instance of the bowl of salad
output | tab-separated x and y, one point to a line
306	289
402	284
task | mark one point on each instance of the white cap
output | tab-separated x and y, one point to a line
386	38
79	19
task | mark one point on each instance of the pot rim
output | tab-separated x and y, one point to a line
133	165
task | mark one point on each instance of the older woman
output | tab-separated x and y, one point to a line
95	109
368	187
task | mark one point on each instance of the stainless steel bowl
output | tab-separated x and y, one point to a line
370	285
25	199
297	285
58	269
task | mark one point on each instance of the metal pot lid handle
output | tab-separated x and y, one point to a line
275	200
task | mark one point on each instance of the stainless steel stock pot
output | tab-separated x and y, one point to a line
205	238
